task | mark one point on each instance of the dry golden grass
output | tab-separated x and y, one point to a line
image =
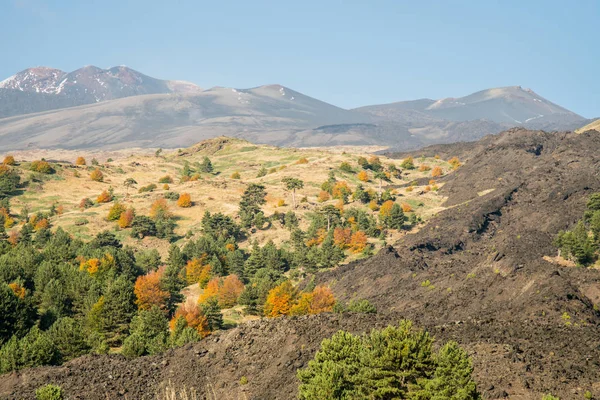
216	192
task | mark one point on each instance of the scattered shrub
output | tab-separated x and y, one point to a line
104	197
165	179
363	306
41	166
173	196
235	175
346	167
323	196
85	203
408	163
97	175
115	211
373	206
80	222
9	160
423	168
406	207
185	200
303	160
454	162
126	218
80	161
148	188
49	392
436	172
363	176
160	210
261	172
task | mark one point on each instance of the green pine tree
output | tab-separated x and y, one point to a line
212	312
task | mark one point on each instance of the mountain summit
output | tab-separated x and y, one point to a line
504	105
86	85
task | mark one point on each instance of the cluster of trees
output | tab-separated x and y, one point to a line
394	362
284	300
583	242
61	298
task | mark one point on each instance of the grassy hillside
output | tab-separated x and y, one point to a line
213	192
592	126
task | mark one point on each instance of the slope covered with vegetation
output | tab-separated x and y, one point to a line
143	253
482	269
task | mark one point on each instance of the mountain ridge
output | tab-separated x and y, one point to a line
45	107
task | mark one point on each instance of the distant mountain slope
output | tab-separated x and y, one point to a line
270	114
46	88
511	105
119	107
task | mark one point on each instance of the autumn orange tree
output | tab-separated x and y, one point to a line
160	210
13	238
363	176
196	271
436	171
211	290
454	162
42	223
341	191
342	236
97	175
193	317
322	300
126	218
148	291
406	207
358	242
18	290
323	196
205	275
424	168
185	200
280	300
9	160
386	209
80	161
104	197
86	203
230	291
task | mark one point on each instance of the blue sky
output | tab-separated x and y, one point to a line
349	53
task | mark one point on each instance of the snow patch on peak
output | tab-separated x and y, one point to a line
7	81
